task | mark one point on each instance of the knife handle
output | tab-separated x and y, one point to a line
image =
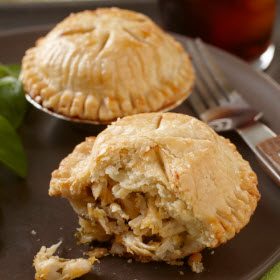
270	149
265	144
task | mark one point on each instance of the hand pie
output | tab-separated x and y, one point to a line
157	186
104	64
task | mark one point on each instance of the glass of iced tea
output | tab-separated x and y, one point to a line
242	27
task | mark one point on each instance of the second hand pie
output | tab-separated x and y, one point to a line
108	63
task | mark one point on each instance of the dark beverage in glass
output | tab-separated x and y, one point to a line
242	27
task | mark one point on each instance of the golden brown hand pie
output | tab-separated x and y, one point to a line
158	186
104	64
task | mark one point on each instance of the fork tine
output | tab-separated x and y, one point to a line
210	90
214	70
204	74
196	104
201	87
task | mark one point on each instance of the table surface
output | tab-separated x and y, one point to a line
21	15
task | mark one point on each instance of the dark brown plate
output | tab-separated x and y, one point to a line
25	205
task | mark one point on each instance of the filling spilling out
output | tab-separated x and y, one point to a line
128	207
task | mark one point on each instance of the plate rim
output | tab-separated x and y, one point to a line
62	3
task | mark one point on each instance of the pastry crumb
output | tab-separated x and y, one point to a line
98	253
50	267
33	232
129	261
195	263
176	262
212	252
181	272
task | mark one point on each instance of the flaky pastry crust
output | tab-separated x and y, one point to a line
108	63
159	186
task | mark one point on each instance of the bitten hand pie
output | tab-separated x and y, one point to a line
104	64
157	186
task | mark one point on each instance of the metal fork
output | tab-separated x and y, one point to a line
217	103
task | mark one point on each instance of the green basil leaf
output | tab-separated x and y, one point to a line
9	70
4	71
273	274
12	100
14	70
11	151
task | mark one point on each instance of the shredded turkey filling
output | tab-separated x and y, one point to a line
136	215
